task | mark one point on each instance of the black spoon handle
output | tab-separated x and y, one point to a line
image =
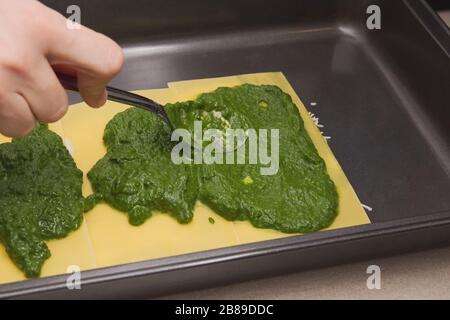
122	96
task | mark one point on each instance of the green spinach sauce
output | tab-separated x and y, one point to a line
40	197
137	175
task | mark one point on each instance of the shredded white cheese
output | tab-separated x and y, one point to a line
316	121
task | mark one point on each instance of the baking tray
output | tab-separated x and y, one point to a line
384	95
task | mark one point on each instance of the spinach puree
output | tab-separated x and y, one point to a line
137	175
40	197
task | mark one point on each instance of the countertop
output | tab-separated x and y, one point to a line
423	275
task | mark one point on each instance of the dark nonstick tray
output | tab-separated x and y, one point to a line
383	94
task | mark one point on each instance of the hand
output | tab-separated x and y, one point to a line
34	40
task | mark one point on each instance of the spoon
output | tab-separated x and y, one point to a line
122	96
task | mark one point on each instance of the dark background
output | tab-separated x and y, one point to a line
440	4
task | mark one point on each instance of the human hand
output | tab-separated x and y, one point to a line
35	40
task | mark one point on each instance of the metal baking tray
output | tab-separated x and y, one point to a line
384	95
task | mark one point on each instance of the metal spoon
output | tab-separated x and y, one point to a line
122	96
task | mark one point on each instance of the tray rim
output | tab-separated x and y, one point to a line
245	251
440	33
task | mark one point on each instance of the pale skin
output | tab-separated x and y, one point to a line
35	41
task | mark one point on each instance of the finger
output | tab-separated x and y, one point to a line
93	93
89	51
16	118
95	57
44	93
92	90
